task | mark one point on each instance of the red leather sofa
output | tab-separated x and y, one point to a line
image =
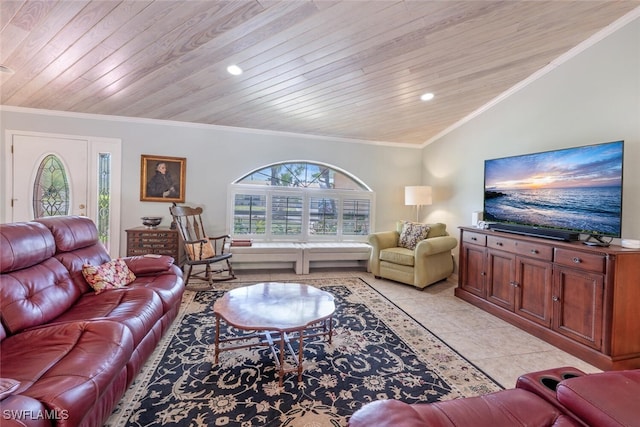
561	397
67	354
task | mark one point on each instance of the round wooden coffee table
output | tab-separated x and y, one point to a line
277	313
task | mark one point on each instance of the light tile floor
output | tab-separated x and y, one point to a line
501	350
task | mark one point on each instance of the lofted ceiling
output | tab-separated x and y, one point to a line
345	69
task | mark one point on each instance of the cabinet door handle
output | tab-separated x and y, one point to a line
576	260
534	251
555	298
498	243
515	284
474	239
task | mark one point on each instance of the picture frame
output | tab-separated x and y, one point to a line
162	178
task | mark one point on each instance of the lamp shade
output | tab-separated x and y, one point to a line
417	195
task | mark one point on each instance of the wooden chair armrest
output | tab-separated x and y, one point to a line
193	242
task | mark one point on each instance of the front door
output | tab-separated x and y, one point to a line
49	177
65	175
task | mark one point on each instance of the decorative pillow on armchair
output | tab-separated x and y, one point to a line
412	233
110	275
201	250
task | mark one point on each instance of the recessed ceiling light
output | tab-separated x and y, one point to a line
234	70
5	69
427	96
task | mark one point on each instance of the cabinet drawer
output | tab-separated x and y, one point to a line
153	237
501	243
474	238
534	250
580	260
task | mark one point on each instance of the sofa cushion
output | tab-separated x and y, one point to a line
24	244
400	256
139	309
168	286
411	234
67	366
35	295
71	232
110	275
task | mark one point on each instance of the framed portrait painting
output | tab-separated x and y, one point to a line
162	179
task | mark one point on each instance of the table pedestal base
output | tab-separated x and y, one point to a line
279	342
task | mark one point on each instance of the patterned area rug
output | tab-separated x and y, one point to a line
378	352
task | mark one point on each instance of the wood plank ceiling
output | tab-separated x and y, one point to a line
348	69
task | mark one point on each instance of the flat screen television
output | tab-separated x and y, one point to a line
558	194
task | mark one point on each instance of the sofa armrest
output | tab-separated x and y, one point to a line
384	240
379	241
24	411
435	245
145	264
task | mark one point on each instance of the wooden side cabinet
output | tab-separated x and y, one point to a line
581	299
160	241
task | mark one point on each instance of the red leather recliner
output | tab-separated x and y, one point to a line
556	397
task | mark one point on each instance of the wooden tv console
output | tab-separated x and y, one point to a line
582	299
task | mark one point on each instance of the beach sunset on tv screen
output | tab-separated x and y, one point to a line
577	189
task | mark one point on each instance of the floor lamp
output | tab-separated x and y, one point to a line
417	195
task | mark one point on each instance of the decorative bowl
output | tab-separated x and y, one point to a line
151	221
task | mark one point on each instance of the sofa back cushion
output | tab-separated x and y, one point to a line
71	232
34	287
77	244
35	295
23	244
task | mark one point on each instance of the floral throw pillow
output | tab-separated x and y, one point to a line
412	233
110	275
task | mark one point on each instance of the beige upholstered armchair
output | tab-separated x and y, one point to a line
415	254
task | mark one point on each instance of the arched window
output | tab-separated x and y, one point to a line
300	201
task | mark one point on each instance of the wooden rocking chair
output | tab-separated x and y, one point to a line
201	249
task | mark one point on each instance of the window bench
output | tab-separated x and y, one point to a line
268	255
301	255
325	252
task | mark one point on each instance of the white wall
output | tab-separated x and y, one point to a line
217	156
592	98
